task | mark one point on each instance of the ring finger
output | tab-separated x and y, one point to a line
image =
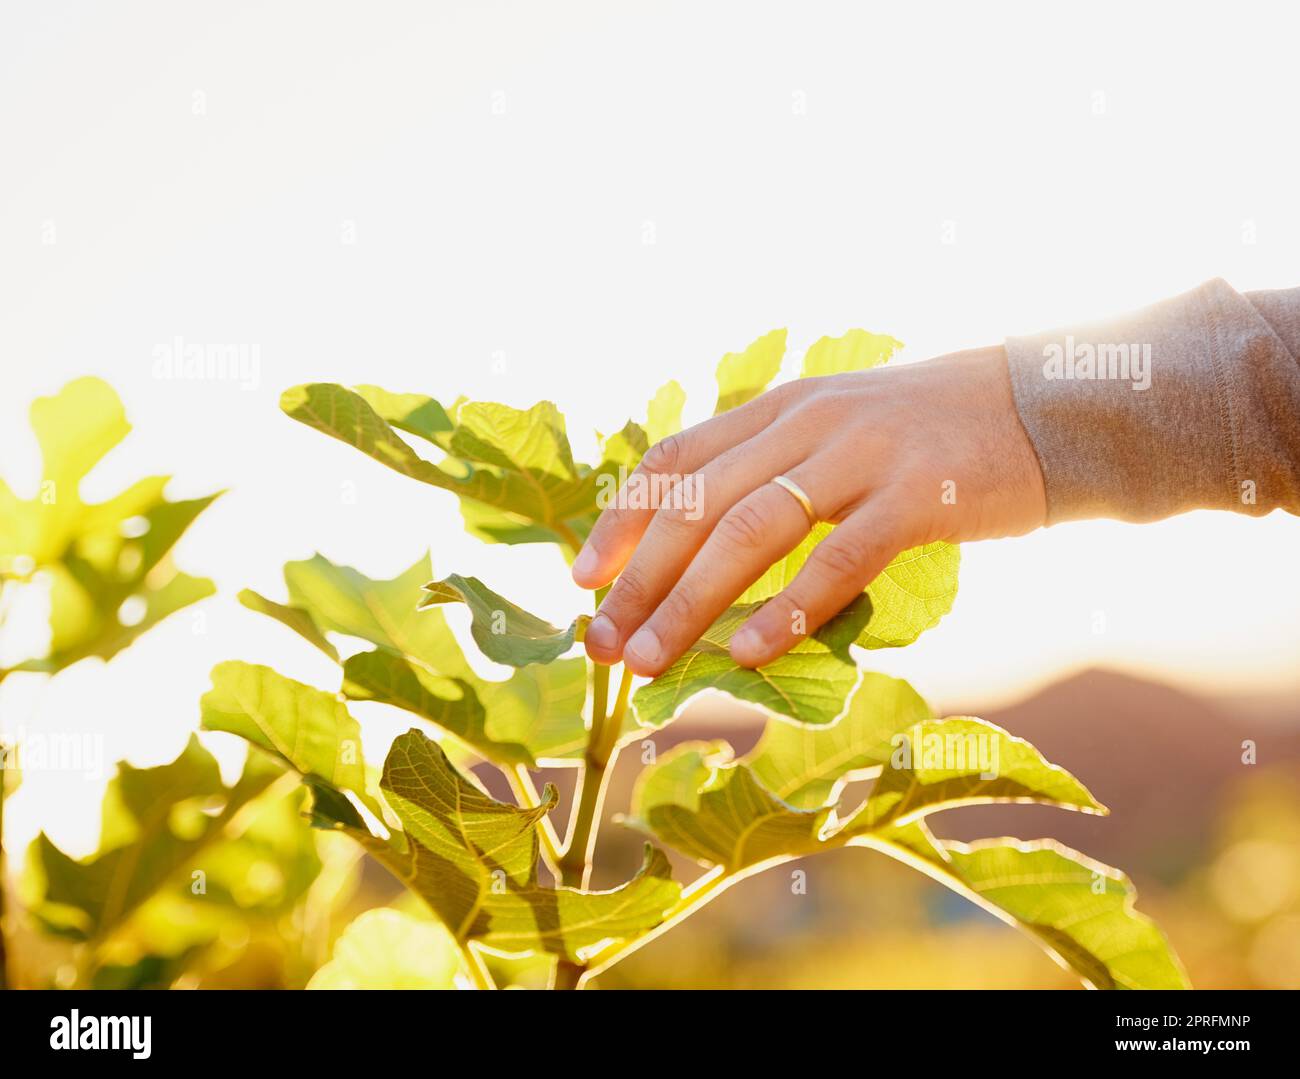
761	528
679	528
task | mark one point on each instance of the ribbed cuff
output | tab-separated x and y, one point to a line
1192	402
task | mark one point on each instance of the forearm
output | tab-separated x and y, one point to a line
1191	403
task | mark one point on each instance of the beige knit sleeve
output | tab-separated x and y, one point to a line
1191	403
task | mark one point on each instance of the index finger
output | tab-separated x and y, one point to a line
667	463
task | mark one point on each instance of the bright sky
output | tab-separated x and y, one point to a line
518	202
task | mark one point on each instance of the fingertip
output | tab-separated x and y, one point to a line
601	639
644	653
748	647
585	568
639	667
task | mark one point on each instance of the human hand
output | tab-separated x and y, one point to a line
876	452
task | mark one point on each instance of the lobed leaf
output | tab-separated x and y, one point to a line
155	821
517	463
911	594
532	717
296	618
857	350
309	730
474	860
664	413
808	685
939	764
1081	911
695	800
807	766
471	858
96	556
389	949
504	632
727	814
413	413
742	376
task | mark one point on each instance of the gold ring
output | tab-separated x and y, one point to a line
800	495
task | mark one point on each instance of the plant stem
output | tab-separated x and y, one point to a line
568	974
614	727
574	868
478	970
602	744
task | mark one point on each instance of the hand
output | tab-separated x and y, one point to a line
875	451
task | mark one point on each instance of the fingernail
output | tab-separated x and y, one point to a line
644	647
747	642
602	633
585	564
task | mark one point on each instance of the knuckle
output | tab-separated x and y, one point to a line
896	515
630	591
677	609
666	454
782	395
818	410
743	527
675	521
845	556
781	607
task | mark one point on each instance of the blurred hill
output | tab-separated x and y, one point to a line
1161	759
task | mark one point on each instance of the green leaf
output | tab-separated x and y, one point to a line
308	729
517	462
413	413
492	525
505	633
540	708
809	684
939	764
474	860
723	814
742	376
1080	910
625	448
89	621
155	821
807	766
111	578
465	843
664	413
776	800
74	428
693	798
911	594
533	718
857	350
531	442
570	923
343	600
471	858
388	949
296	618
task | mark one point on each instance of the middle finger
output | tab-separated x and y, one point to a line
677	531
761	528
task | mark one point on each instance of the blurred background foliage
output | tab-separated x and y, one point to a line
279	897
